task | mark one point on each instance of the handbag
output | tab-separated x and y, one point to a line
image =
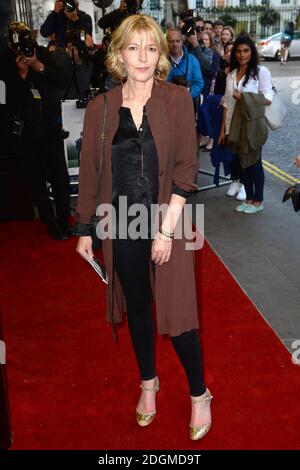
294	193
95	218
275	112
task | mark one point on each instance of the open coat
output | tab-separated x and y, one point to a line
171	119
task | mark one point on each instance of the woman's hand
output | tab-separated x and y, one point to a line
237	95
84	246
161	250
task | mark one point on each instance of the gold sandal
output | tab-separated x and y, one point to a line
144	419
199	432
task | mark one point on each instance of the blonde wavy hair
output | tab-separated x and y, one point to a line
122	36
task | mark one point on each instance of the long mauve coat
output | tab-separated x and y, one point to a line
171	119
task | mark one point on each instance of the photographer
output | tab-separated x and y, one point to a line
33	107
127	7
75	61
193	31
66	15
185	67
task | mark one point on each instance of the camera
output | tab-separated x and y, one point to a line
189	27
69	5
23	43
82	102
132	7
181	80
77	38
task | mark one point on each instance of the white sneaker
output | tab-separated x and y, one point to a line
241	196
234	189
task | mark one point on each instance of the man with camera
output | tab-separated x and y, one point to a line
185	69
65	16
192	31
127	7
75	61
33	114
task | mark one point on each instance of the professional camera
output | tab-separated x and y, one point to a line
69	5
23	43
132	7
82	102
181	80
189	27
77	38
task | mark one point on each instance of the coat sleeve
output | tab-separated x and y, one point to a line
49	25
186	161
89	162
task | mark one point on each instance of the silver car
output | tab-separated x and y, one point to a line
269	48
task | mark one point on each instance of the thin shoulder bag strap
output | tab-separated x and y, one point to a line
102	149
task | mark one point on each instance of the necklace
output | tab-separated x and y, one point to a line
142	179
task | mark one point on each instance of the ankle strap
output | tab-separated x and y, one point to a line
155	387
198	400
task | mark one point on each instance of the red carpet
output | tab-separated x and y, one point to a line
72	387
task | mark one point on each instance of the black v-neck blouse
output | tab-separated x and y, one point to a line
134	162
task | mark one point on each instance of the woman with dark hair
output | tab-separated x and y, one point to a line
285	41
248	90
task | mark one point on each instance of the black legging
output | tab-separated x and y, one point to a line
131	262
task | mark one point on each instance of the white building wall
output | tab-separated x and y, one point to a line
275	3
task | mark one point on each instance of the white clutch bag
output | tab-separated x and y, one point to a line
275	112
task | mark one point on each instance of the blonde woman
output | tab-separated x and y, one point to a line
150	157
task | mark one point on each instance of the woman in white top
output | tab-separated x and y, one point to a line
246	76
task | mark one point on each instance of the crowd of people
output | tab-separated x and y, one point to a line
200	54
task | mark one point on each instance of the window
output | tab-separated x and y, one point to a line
285	1
243	3
199	3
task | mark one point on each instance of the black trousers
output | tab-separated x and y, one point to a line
41	160
131	262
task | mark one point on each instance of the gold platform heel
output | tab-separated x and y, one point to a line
199	432
144	419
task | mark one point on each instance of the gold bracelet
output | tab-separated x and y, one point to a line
165	233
